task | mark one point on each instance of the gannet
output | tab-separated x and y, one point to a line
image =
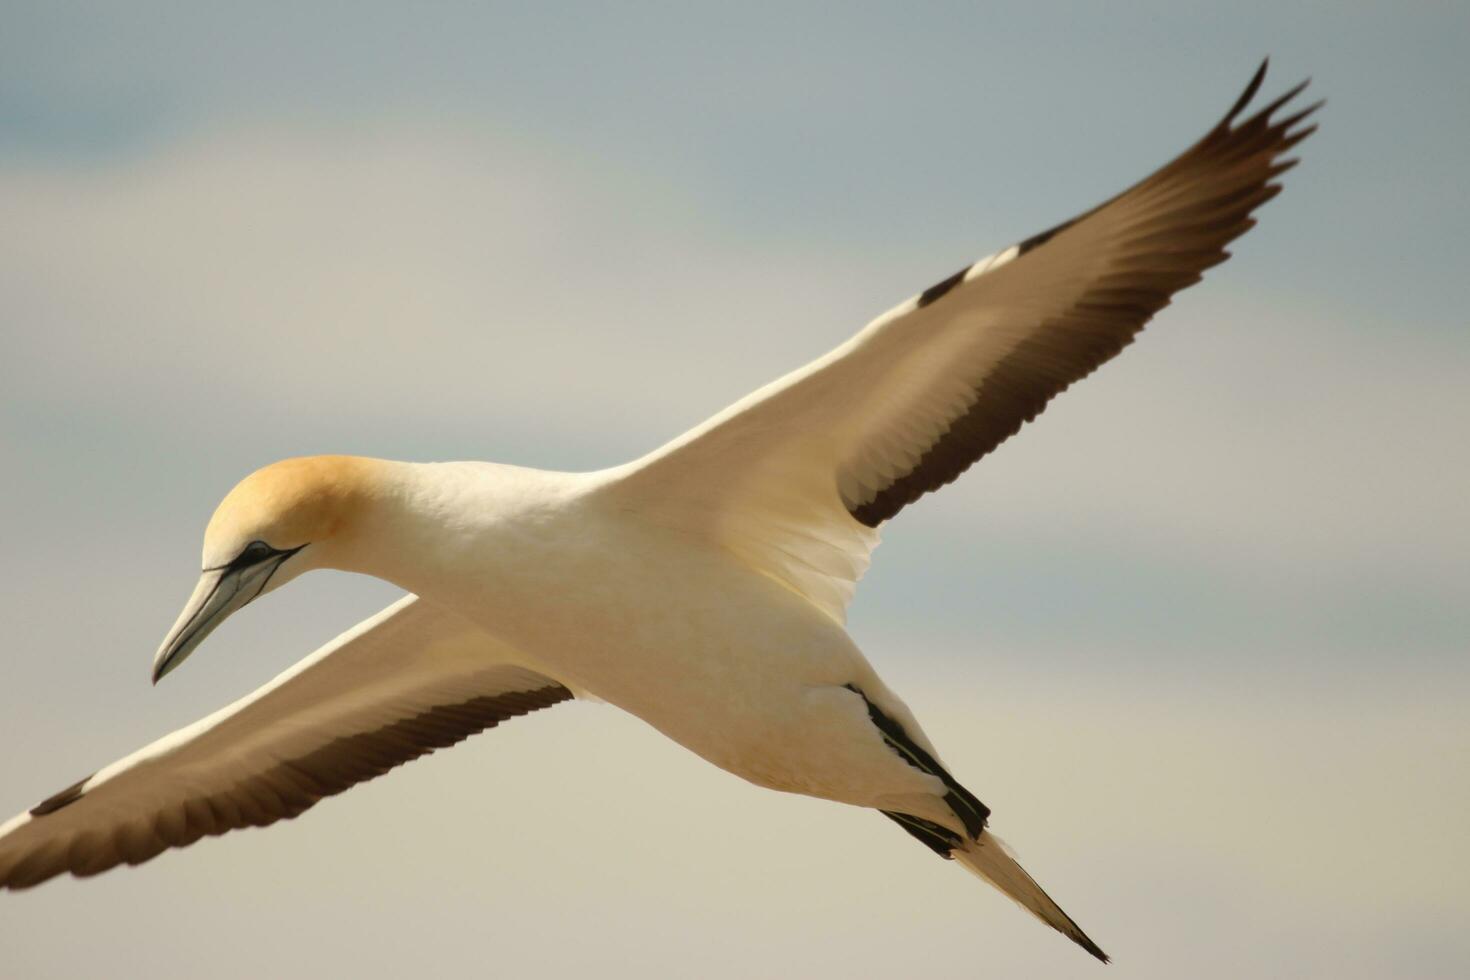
701	588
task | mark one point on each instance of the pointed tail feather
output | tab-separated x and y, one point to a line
987	857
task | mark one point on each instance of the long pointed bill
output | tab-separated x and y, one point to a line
219	593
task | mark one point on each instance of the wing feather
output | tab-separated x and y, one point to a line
410	680
796	477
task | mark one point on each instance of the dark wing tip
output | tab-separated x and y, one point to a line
1262	117
1248	94
1254	88
1281	100
1224	131
1301	115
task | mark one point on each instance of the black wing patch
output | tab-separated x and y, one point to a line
66	797
938	290
1038	240
940	840
971	812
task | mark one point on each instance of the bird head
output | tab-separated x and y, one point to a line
278	522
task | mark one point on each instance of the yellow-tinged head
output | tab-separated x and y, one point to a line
275	524
289	504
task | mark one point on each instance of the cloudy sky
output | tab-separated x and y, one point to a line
1199	638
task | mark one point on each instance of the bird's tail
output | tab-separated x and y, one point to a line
987	857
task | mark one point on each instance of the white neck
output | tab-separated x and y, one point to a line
463	533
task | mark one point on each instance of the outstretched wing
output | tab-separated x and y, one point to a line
796	477
412	679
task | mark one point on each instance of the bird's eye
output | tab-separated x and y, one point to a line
253	553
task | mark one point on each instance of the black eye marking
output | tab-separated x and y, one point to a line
253	554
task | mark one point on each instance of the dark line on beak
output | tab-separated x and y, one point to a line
280	557
268	576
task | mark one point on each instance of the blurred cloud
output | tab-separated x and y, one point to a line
425	267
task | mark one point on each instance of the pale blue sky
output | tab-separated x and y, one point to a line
1223	585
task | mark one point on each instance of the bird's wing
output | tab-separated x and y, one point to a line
412	679
796	477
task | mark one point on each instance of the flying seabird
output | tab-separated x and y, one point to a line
702	587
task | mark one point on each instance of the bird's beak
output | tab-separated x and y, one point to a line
219	593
